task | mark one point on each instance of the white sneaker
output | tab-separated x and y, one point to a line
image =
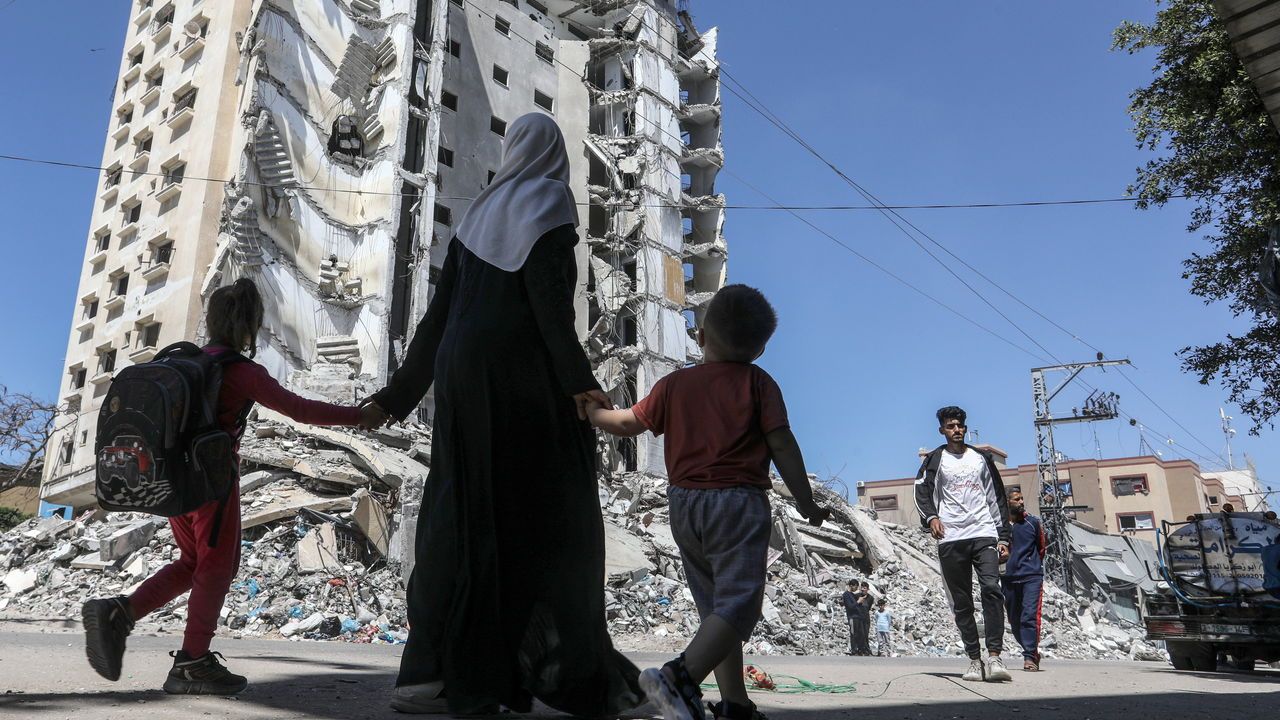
976	671
996	671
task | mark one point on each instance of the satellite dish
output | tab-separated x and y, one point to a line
193	29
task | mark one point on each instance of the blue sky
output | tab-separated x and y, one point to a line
920	102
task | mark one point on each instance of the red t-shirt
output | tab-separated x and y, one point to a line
715	417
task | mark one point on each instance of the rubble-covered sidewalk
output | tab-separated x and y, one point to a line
329	517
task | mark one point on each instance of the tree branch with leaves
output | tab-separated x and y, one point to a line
1216	142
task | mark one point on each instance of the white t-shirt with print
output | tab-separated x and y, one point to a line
963	507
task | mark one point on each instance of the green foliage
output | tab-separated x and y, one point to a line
1203	118
10	517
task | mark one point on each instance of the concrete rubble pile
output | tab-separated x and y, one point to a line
650	608
329	516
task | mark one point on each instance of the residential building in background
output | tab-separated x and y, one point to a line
327	149
1116	495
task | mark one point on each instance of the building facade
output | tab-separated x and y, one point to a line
1117	495
326	149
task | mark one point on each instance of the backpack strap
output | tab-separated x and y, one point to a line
183	346
224	359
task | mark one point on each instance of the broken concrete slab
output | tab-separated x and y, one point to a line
19	580
371	517
288	501
623	552
254	480
127	540
317	551
392	468
91	561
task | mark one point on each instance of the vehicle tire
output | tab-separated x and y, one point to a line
1188	655
1180	662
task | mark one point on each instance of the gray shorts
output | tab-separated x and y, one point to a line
724	544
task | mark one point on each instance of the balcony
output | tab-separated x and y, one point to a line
161	29
121	132
103	376
191	47
170	189
142	355
85	324
110	192
115	302
140	161
152	94
155	271
74	488
99	254
144	17
180	117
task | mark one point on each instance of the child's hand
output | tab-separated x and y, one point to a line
815	514
372	416
591	400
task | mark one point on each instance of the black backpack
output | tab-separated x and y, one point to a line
159	448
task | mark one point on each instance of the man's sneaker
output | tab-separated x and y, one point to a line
996	671
976	672
673	691
106	625
202	676
725	710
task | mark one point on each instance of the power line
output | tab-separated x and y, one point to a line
755	104
800	208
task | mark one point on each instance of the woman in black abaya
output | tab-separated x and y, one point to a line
506	601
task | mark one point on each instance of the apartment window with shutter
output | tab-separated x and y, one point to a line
885	502
502	25
500	75
544	101
538	6
1135	521
545	53
443	214
120	286
1122	486
455	48
445	156
498	126
78	379
449	100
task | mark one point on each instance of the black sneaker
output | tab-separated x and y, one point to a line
202	676
725	710
673	691
106	625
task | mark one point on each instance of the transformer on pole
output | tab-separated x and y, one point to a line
1053	491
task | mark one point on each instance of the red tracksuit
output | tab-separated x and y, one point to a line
208	571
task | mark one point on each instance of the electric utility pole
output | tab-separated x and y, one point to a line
1053	491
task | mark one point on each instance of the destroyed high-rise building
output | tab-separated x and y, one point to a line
326	149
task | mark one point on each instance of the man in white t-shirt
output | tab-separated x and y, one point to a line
962	503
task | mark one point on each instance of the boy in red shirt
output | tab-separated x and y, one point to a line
724	421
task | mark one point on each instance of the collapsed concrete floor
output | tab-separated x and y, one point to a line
329	516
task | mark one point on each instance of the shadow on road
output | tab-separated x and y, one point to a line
351	692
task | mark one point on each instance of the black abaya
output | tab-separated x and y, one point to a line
506	601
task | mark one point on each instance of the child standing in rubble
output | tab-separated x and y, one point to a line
209	540
724	422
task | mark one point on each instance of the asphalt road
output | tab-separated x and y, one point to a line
45	675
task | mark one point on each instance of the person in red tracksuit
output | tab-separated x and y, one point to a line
233	320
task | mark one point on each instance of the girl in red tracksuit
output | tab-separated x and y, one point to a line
233	320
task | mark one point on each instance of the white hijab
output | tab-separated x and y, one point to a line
529	196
